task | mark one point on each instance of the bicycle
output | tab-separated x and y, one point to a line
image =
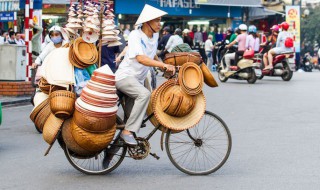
200	150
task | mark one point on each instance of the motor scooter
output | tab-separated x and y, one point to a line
307	63
281	65
245	69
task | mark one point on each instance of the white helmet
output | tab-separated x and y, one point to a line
243	27
55	28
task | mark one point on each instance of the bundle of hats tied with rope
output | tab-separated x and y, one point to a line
179	103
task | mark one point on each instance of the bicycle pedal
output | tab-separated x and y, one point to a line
143	125
155	155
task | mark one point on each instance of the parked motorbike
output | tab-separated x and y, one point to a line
245	69
307	63
281	67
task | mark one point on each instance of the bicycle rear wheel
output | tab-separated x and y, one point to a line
202	149
93	165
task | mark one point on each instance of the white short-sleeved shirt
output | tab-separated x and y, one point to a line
173	41
138	44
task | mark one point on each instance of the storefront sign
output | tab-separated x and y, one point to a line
293	19
177	8
6	17
178	3
37	4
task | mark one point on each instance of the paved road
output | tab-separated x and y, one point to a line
275	127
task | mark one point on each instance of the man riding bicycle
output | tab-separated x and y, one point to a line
132	72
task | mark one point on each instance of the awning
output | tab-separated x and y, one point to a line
231	3
259	13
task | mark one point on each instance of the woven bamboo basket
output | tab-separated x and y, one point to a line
94	124
44	85
42	116
93	142
62	103
51	128
71	143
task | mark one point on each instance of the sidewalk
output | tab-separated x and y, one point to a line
12	101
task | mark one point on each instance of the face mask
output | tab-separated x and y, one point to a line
56	39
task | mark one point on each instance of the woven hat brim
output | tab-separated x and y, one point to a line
208	76
178	123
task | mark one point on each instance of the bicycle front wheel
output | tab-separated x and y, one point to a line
202	149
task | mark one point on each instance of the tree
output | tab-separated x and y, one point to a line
310	33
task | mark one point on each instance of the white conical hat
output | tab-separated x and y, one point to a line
149	13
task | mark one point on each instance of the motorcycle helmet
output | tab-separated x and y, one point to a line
243	27
252	29
230	30
275	28
285	26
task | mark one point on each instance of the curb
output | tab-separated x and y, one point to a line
23	101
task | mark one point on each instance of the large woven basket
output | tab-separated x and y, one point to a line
42	116
51	128
94	124
62	103
180	58
71	143
93	142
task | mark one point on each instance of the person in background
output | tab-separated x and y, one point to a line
252	41
163	41
208	46
186	38
12	38
5	36
280	45
229	33
234	35
1	38
127	30
57	41
36	42
241	40
271	42
108	56
174	40
19	40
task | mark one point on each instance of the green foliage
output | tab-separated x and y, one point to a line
310	28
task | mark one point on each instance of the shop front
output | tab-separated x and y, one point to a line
8	14
181	13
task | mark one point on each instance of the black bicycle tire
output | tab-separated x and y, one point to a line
212	170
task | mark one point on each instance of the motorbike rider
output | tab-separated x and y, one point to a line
132	72
253	41
57	41
281	46
271	42
241	40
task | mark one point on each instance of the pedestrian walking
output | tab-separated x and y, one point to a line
186	37
208	46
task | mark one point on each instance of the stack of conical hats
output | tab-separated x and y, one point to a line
91	25
74	22
109	32
93	124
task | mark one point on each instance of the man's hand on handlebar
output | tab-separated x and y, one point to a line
169	68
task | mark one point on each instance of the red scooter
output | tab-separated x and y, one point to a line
281	65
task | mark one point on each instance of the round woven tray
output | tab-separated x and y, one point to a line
37	109
178	123
191	78
93	142
51	128
42	116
